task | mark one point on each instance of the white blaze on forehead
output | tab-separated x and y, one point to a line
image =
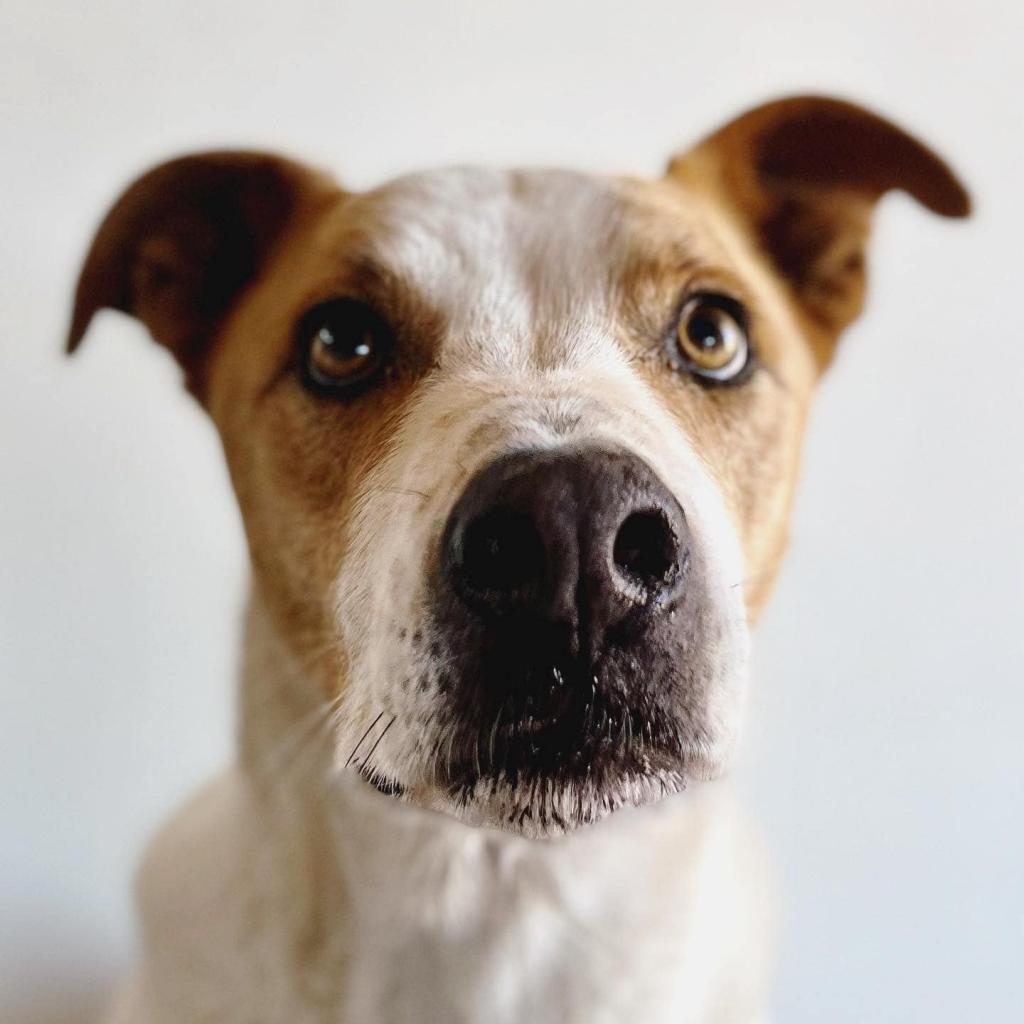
512	259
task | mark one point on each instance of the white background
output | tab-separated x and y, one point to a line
884	756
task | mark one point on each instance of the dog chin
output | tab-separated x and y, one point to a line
547	807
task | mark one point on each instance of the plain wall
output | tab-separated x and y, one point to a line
884	752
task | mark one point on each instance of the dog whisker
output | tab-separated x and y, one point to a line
408	491
366	760
362	739
494	731
751	580
281	755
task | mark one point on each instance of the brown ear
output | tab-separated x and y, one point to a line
182	242
804	174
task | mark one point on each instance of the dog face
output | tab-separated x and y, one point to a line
515	451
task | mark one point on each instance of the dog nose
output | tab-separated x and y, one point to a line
589	540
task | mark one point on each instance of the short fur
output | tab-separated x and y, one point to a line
531	310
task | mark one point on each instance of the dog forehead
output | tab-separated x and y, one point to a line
488	223
501	255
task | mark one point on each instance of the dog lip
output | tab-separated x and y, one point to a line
585	742
382	783
561	809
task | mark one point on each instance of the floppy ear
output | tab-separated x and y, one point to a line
183	241
803	175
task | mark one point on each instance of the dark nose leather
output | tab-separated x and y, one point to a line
585	540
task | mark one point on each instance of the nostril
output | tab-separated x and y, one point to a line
502	553
646	550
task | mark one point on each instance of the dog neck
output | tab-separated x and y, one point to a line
405	914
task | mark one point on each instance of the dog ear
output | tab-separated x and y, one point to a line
182	242
803	175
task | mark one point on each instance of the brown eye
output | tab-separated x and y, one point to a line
711	337
343	343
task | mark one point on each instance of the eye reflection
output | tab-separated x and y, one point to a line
343	342
711	338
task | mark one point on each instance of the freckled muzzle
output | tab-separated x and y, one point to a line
569	600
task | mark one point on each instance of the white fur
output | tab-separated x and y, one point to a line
310	898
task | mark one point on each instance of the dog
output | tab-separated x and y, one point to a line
515	453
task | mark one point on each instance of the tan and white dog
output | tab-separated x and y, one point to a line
514	453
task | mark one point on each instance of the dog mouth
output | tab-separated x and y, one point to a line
561	747
553	757
569	730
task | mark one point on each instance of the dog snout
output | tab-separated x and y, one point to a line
583	541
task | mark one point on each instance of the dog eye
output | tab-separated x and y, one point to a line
342	344
711	337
